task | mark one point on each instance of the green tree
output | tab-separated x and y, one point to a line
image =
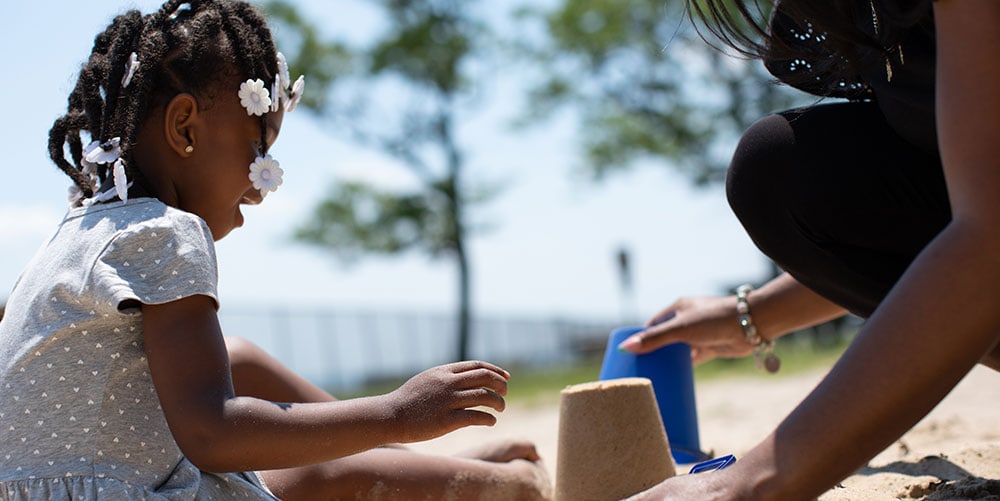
645	85
423	64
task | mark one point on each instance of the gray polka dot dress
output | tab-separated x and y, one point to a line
79	416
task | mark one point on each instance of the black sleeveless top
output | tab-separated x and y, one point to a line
906	99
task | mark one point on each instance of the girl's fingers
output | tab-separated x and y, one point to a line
479	397
469	417
483	378
470	365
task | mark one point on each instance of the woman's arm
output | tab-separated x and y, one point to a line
219	431
710	324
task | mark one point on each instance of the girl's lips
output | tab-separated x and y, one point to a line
254	198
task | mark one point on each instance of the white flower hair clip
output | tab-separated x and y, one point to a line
297	89
265	174
283	75
257	99
74	194
130	67
121	182
254	97
106	152
275	91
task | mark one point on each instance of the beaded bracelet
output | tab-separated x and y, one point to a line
763	350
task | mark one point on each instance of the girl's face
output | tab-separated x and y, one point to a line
217	183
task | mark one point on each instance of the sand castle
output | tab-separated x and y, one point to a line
612	443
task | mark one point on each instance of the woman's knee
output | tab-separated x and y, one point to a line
760	174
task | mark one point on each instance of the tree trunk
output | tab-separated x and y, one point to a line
455	205
464	300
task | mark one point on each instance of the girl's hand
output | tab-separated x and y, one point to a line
708	324
440	400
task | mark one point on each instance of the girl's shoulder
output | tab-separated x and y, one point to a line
140	250
135	214
137	225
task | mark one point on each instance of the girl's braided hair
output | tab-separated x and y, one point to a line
186	46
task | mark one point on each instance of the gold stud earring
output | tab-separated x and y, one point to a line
189	149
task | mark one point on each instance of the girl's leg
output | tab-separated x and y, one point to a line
992	359
837	199
258	374
397	474
504	470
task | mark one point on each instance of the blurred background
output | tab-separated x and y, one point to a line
500	179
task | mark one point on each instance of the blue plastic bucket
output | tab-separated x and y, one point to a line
669	369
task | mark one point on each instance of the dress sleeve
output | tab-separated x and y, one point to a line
158	261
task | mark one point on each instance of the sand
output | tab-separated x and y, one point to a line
953	453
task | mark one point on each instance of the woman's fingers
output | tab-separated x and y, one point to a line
650	339
664	315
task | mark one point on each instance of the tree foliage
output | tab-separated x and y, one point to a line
410	85
646	85
325	61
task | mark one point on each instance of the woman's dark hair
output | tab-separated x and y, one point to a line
186	46
835	37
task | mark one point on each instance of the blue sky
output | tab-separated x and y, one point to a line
551	249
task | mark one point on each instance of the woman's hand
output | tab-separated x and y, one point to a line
440	400
684	487
711	327
707	324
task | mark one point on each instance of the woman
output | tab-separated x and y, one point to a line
884	206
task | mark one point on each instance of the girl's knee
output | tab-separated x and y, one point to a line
242	351
339	479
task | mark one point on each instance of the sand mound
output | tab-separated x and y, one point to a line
953	453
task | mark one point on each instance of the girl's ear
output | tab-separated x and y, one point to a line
179	124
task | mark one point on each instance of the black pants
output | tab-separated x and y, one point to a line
837	199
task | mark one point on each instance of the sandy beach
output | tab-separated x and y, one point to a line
953	453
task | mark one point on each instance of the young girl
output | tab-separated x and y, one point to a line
116	380
885	206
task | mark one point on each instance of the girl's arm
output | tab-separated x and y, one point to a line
710	326
220	432
941	317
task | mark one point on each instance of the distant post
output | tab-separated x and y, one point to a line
627	300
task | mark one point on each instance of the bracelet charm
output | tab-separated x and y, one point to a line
763	350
